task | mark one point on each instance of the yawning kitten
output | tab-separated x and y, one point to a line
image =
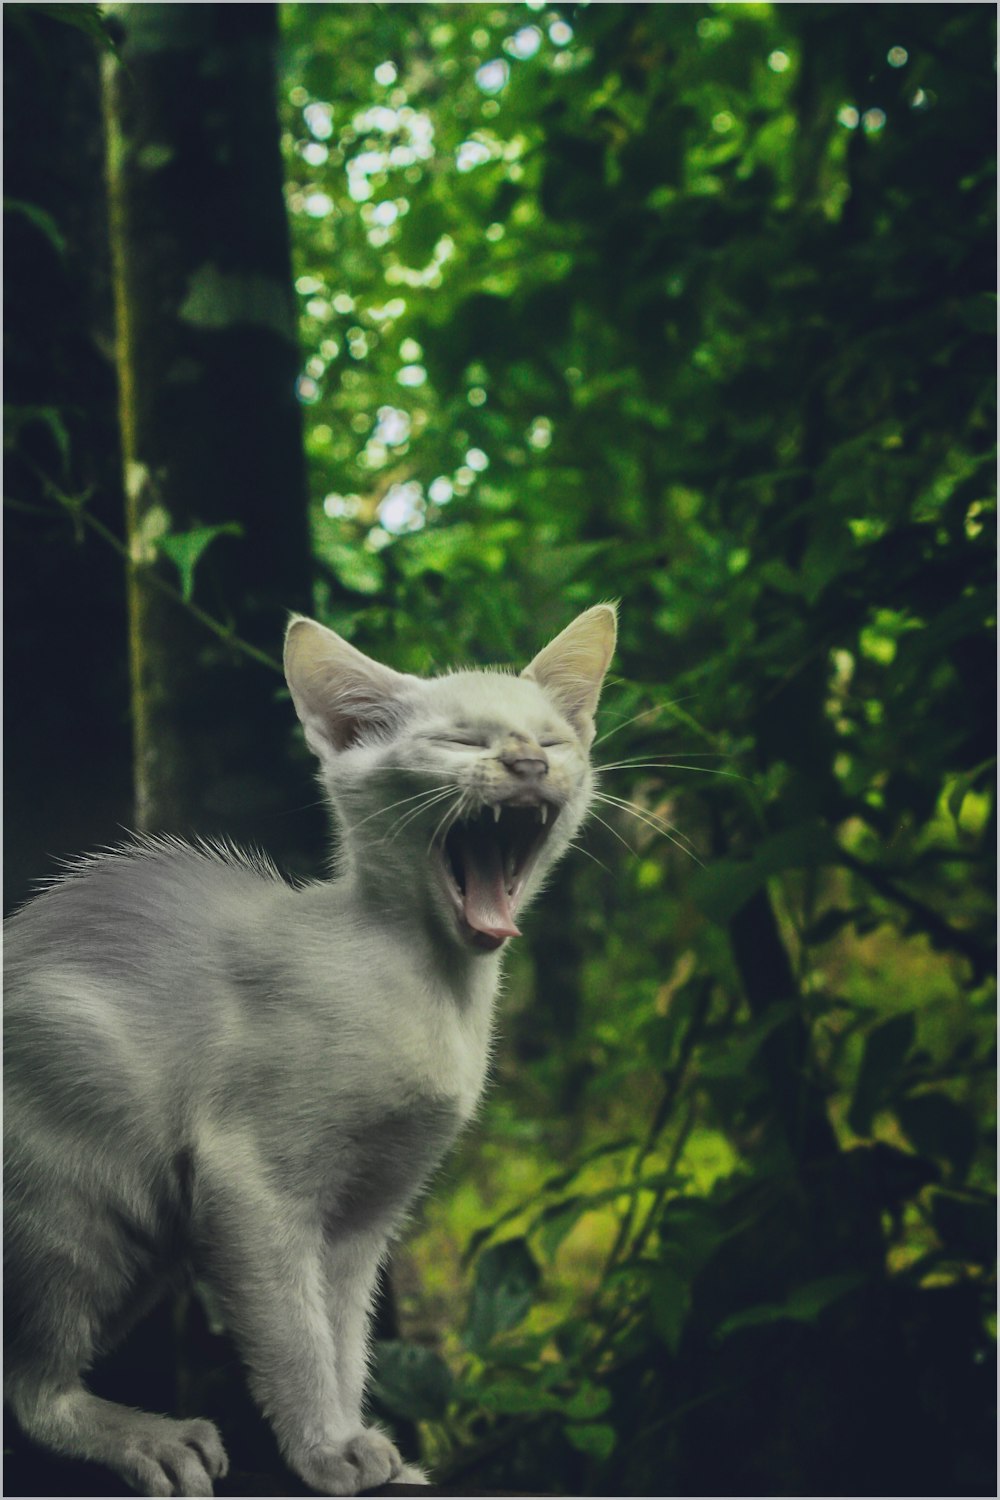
208	1068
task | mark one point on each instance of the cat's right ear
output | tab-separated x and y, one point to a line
339	693
571	668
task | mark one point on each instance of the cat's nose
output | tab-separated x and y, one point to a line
528	763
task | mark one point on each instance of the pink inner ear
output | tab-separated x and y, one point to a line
345	731
347	721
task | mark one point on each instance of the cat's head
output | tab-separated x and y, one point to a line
458	792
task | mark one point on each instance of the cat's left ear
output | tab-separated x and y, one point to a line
571	668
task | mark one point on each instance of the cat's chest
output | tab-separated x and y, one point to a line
444	1049
387	1162
403	1028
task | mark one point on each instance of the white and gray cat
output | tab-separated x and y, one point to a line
206	1067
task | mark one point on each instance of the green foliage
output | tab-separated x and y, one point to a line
86	18
89	19
690	306
887	1047
186	548
40	219
504	1289
410	1381
17	418
802	1305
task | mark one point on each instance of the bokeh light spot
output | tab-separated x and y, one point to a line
440	490
524	43
411	376
492	76
318	205
319	118
402	508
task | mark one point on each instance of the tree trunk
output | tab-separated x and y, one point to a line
64	593
768	981
211	431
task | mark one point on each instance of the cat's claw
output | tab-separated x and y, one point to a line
361	1463
164	1457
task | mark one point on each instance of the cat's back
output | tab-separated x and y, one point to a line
121	950
135	911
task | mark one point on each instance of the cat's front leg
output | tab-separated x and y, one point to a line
350	1273
266	1256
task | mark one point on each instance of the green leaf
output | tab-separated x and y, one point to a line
554	1184
41	219
746	1043
832	922
588	1402
17	417
963	785
554	1226
886	1048
446	549
661	1035
86	18
669	1300
596	1439
503	1291
359	570
186	548
511	1397
721	889
690	1233
556	1222
938	1126
802	1305
411	1381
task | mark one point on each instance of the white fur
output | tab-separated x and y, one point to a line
206	1064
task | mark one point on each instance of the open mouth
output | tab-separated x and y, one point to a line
487	860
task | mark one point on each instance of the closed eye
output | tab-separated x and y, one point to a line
553	744
470	741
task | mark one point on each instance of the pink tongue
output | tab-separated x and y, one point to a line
487	907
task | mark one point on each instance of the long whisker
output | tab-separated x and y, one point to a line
641	759
424	792
431	801
581	850
404	819
652	821
290	812
646	713
449	816
668	765
605	824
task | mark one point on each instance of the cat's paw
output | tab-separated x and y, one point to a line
361	1463
164	1457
